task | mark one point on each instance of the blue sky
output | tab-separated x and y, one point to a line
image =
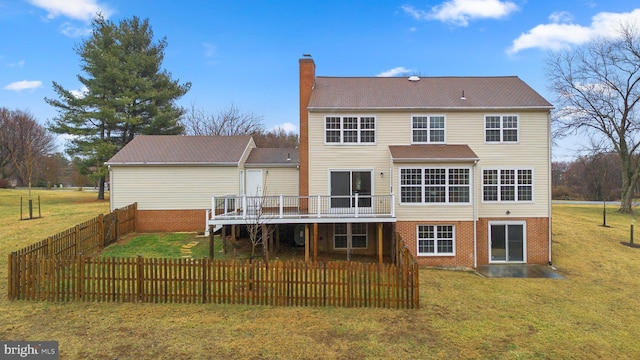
246	52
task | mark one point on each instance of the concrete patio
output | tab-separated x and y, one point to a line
518	271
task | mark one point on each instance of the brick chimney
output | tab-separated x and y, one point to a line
307	79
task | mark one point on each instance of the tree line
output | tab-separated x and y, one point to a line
595	177
126	93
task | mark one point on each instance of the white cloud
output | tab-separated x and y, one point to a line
561	17
210	50
459	12
74	31
562	33
81	93
394	72
84	10
287	127
24	85
16	64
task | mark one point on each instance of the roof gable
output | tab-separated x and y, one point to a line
354	93
172	149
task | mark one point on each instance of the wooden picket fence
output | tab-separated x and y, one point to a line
87	238
64	267
278	283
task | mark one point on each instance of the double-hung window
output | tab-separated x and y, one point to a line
350	129
435	185
507	185
356	233
427	129
501	128
436	240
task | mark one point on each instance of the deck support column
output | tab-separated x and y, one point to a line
306	242
211	248
379	232
223	233
315	242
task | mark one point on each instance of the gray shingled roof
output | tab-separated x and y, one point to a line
273	156
440	153
429	92
171	149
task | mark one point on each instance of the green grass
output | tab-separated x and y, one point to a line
592	314
150	246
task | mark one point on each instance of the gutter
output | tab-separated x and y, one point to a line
414	108
160	163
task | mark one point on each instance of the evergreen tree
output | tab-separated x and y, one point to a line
126	93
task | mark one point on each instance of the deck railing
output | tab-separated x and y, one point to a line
234	207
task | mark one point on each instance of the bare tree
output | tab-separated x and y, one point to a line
598	88
276	138
230	121
26	144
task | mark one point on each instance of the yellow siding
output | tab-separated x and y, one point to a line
394	128
280	181
171	187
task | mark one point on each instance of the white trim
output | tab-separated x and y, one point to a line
359	130
501	129
524	240
435	240
428	129
499	185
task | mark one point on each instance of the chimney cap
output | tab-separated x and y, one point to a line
306	55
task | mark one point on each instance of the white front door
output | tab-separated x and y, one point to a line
254	183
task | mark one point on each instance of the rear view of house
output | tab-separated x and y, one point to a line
458	167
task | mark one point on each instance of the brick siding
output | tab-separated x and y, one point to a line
171	220
537	241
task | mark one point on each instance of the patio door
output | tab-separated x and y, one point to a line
345	184
507	242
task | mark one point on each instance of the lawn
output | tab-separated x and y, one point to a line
593	313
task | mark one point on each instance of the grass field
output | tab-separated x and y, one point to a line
593	314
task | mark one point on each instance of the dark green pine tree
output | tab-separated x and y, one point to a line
126	93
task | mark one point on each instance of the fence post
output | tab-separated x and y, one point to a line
116	212
77	238
11	294
205	269
80	285
101	230
140	278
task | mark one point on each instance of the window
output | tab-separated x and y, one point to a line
501	128
357	232
436	240
507	185
350	129
427	129
435	185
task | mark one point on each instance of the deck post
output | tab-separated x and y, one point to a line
211	249
213	208
306	243
223	232
356	206
318	207
379	232
315	242
281	206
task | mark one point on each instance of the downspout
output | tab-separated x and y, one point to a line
475	215
549	191
110	188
